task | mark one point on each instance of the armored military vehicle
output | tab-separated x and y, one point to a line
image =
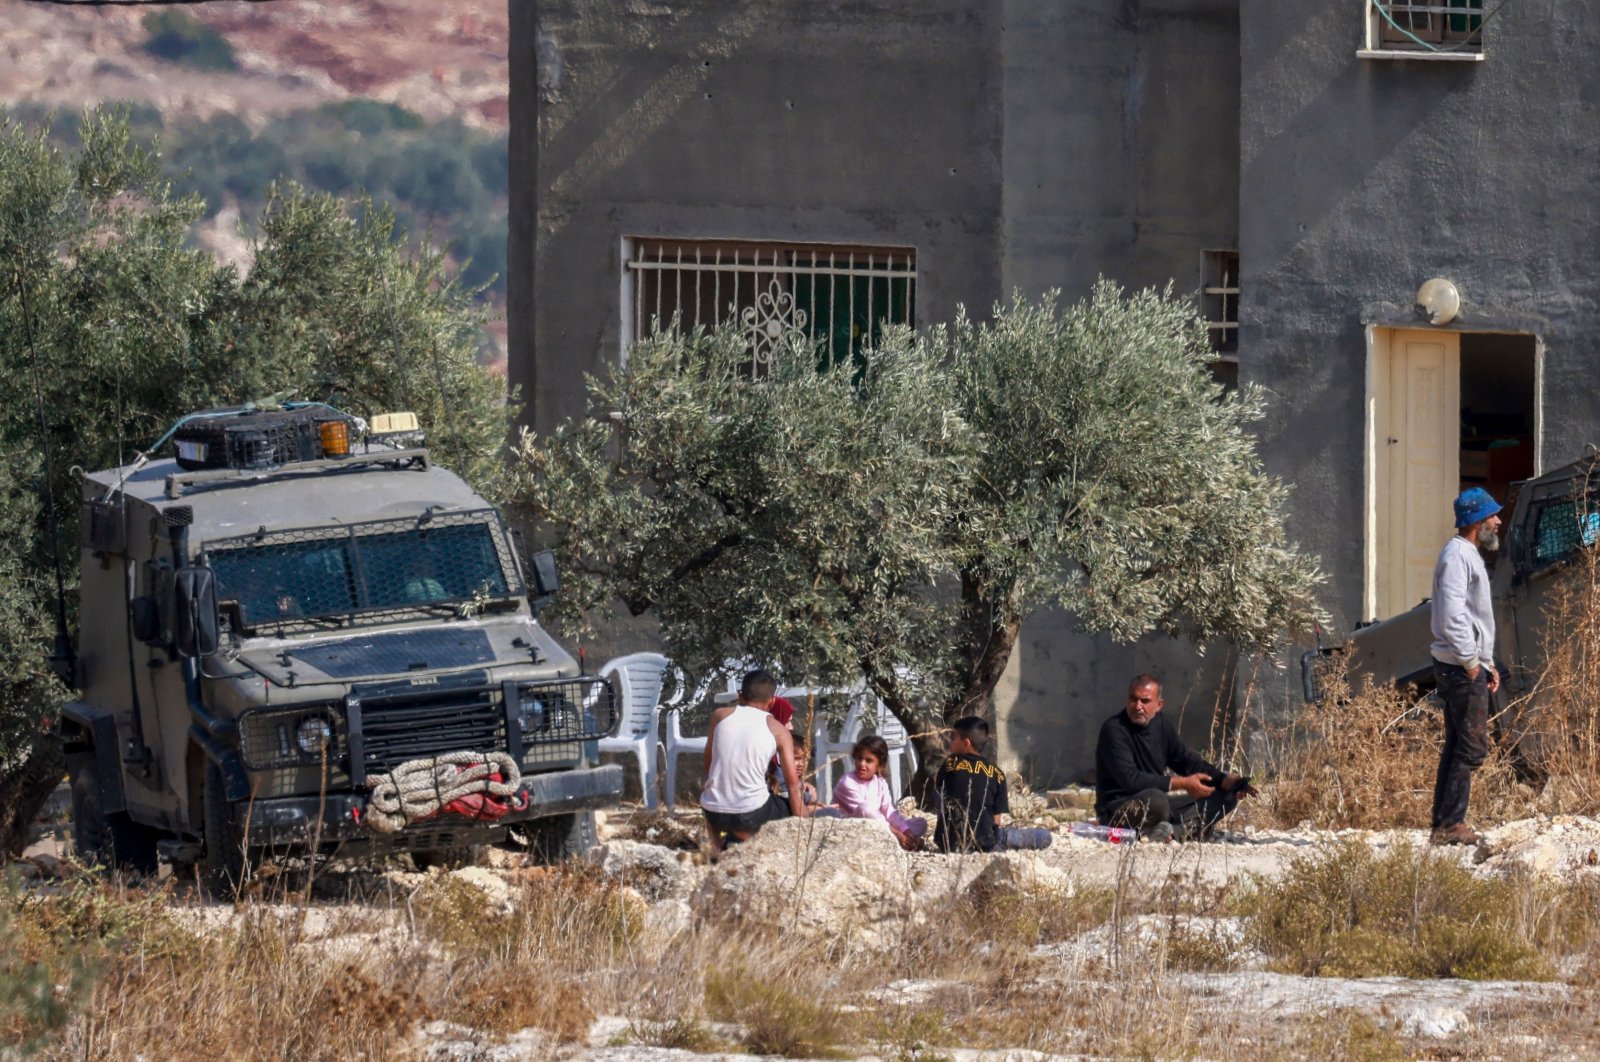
1548	521
277	620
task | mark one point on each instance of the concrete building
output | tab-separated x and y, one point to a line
1303	165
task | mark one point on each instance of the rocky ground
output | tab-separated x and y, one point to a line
848	883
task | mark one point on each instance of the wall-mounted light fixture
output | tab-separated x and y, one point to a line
1438	301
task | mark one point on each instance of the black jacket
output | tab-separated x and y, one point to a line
1129	759
971	792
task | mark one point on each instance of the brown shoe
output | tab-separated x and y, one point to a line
1460	833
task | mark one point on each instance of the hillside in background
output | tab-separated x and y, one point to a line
402	99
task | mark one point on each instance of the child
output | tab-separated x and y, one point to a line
864	793
802	762
972	797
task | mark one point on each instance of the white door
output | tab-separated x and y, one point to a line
1415	383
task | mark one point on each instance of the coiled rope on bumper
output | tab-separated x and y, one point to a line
481	785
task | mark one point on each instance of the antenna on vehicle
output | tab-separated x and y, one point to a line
63	658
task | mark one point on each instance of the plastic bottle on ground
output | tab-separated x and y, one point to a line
1093	831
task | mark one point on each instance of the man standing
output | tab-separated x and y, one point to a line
1138	748
1463	660
742	740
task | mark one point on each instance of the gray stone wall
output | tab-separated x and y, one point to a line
869	122
1015	145
1360	178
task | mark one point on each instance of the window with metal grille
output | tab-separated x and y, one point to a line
1219	298
839	298
297	577
1438	28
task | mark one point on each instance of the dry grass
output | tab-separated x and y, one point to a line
567	945
1367	757
1556	729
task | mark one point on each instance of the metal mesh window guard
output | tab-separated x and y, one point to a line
1559	530
295	578
839	298
1423	25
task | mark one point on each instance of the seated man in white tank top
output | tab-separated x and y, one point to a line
740	744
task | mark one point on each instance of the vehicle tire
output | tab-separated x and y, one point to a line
109	839
561	837
226	863
466	855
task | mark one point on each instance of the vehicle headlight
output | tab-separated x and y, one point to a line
313	734
535	714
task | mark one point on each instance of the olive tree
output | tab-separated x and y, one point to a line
898	522
112	325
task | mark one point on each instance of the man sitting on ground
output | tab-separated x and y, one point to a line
1141	761
972	797
741	741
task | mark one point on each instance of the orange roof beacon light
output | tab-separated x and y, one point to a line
335	437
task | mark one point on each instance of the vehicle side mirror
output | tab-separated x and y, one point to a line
546	579
194	614
145	617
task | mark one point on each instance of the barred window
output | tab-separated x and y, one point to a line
839	298
1425	28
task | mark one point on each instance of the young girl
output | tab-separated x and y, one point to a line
864	793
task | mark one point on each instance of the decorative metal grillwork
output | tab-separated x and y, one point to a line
303	578
838	298
269	738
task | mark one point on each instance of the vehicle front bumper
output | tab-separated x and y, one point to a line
293	821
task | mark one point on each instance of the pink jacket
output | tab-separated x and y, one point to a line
871	800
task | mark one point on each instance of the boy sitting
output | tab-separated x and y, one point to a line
972	797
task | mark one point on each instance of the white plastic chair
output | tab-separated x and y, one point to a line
639	678
676	743
885	725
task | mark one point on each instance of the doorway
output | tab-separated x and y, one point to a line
1445	411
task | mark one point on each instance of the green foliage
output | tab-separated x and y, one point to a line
443	175
1352	912
112	325
902	517
179	37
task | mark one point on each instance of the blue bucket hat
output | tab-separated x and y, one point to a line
1474	504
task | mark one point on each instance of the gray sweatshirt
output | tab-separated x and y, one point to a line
1463	618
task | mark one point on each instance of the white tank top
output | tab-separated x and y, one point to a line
741	748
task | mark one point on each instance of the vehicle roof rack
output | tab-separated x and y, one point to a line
179	482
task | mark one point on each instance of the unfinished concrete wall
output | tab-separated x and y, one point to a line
1121	159
1015	145
1363	177
858	121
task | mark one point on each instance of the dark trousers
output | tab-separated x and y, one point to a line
1189	816
1466	740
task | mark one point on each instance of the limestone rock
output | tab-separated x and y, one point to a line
1017	873
1436	1023
658	873
498	894
841	878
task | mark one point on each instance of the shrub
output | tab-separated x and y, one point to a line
181	38
1349	911
782	1008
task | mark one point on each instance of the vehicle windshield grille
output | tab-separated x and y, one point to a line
379	568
